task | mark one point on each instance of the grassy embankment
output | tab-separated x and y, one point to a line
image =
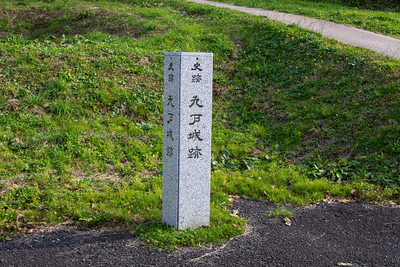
378	16
297	117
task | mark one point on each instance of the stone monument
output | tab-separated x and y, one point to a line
187	139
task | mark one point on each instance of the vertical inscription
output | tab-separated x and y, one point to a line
195	153
170	113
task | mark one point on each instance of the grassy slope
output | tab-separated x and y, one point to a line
81	109
377	16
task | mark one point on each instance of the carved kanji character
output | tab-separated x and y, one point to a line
170	116
195	135
196	78
197	65
170	151
170	101
195	100
196	118
194	153
169	134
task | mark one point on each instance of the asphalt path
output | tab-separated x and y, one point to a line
346	34
330	234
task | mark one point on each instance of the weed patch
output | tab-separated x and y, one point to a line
280	212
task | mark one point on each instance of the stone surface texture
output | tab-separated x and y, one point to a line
187	139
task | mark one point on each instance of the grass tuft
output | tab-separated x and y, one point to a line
280	212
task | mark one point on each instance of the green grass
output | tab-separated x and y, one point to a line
280	212
297	117
377	16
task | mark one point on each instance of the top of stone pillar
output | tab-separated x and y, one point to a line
188	54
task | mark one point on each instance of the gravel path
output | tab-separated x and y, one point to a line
324	235
349	35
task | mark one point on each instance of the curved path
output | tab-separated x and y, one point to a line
349	35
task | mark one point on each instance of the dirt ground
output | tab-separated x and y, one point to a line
329	234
